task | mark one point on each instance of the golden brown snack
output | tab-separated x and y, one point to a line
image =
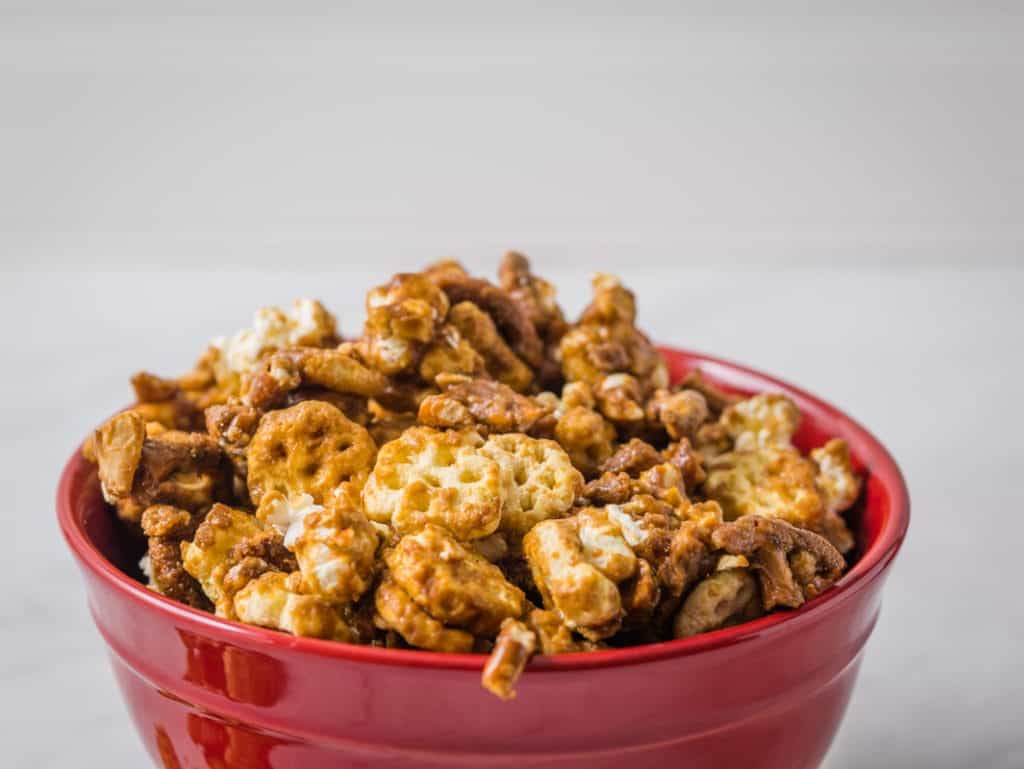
765	420
402	316
336	370
479	330
717	601
166	527
538	481
452	583
772	482
428	476
450	353
681	413
534	294
117	448
718	400
483	404
576	564
164	401
508	316
515	644
397	611
839	486
334	544
206	557
310	448
274	600
606	341
792	564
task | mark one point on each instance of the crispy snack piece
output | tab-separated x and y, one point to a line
721	599
169	467
336	370
310	448
274	600
480	331
538	481
483	404
772	482
587	437
717	399
452	583
402	316
619	397
792	564
576	567
229	360
606	341
839	487
398	612
206	556
451	353
681	413
508	315
334	544
428	476
164	401
233	427
765	420
515	644
166	527
117	448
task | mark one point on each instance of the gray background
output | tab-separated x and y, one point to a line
836	198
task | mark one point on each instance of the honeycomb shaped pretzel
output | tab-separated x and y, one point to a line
428	476
309	448
538	480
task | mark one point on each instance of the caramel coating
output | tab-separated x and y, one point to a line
715	602
483	404
428	476
310	448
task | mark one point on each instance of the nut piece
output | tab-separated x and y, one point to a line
483	404
117	446
681	413
272	600
453	584
719	600
428	476
166	527
477	328
538	480
513	648
310	448
398	612
206	556
792	564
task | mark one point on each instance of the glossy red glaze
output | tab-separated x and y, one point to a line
768	694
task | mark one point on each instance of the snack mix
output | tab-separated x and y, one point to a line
473	474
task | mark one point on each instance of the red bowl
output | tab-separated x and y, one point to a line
767	694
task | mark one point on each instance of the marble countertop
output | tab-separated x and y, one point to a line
928	359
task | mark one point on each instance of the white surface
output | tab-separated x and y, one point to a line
374	131
922	358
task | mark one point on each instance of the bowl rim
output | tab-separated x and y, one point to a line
873	561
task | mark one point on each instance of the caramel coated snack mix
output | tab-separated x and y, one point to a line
472	473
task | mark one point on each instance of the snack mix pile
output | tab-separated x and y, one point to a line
472	474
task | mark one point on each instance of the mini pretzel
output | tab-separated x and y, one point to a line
452	583
310	448
792	564
538	480
428	476
480	403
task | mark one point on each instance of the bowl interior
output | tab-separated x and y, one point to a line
879	519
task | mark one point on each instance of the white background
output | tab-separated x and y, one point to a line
834	198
